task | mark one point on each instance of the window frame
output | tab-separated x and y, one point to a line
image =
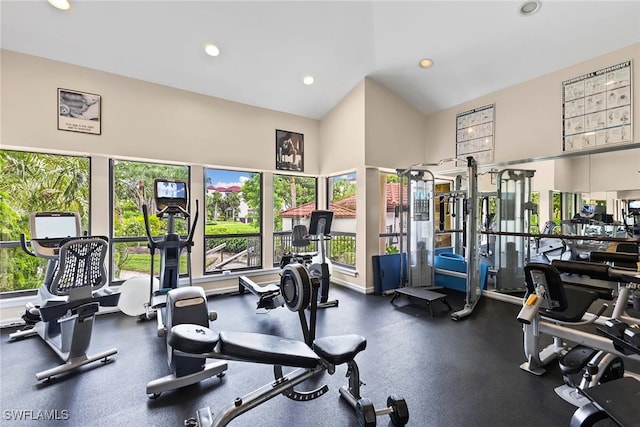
259	235
285	235
338	236
85	222
113	240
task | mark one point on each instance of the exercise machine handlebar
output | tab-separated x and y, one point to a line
192	229
155	243
24	246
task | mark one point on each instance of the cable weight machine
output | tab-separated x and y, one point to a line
422	229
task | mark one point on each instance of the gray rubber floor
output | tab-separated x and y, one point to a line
463	373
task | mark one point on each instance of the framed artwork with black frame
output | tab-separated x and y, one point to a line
79	111
289	151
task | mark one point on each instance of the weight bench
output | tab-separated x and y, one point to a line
310	357
423	294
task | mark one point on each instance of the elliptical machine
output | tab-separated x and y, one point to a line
171	199
171	304
73	290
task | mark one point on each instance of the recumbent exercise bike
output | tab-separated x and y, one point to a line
310	357
553	307
74	288
619	399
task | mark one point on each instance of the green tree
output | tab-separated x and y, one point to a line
232	203
289	192
342	189
214	205
34	182
252	195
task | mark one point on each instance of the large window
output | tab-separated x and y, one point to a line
34	182
341	192
132	184
294	197
233	202
390	233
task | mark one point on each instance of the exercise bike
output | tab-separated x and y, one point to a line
619	399
269	296
187	306
556	308
73	290
310	357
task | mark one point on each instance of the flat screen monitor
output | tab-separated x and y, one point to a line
55	225
169	193
588	211
634	207
49	229
320	222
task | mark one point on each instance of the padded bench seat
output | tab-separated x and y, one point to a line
246	346
339	349
268	349
57	306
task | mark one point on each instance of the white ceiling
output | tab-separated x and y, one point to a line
267	47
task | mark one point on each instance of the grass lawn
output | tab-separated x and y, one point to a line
141	263
230	227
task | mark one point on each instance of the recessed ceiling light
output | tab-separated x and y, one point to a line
530	7
212	49
308	80
60	4
426	63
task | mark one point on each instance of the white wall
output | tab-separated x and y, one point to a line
342	134
343	146
528	116
394	129
370	128
142	120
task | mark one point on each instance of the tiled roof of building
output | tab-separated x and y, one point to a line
304	211
346	208
393	195
348	202
233	188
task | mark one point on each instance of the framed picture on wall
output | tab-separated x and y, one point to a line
289	151
79	111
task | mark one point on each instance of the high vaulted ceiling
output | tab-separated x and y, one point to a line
267	47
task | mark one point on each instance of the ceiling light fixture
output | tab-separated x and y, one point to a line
212	49
308	80
426	63
530	7
60	4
